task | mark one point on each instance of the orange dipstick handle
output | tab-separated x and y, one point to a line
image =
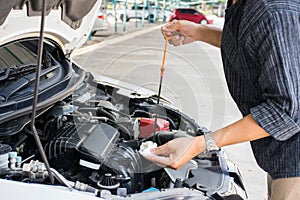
162	70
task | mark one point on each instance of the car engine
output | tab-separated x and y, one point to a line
92	140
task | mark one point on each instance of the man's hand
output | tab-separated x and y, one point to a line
177	152
179	32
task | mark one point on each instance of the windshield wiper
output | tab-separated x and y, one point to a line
23	81
16	72
4	74
22	70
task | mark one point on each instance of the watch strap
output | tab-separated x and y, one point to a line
210	142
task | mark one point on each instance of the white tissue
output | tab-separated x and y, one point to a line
146	147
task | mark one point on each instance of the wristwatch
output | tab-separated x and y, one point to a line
210	142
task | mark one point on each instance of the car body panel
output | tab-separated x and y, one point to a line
128	89
31	191
68	23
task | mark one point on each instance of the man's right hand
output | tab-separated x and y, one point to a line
177	152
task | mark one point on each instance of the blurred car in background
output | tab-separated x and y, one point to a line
101	23
189	14
150	13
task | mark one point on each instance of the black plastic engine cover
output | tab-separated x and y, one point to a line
98	140
91	141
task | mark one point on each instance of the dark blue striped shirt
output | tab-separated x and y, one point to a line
261	57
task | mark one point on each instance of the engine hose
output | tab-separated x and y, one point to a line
101	112
124	129
73	185
160	138
116	111
87	109
20	141
141	112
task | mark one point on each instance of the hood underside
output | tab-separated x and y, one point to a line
68	21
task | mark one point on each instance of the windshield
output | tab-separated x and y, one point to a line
16	54
18	66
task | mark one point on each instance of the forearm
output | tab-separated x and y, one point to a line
209	34
243	130
192	32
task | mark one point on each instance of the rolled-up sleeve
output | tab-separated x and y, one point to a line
278	55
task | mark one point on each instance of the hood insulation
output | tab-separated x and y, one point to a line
72	10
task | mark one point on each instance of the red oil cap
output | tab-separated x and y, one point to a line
147	126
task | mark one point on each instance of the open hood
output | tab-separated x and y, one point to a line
68	22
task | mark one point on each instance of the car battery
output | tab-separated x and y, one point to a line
146	126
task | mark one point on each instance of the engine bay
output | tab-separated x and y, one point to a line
92	139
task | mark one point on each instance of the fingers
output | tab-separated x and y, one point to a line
166	30
174	25
165	155
161	155
177	40
177	152
171	32
161	150
159	160
163	161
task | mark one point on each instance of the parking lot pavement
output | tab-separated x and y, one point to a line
118	29
193	80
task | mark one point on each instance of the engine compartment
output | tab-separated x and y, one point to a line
92	138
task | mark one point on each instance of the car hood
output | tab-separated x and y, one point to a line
68	22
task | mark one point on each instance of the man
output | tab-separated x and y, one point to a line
260	46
